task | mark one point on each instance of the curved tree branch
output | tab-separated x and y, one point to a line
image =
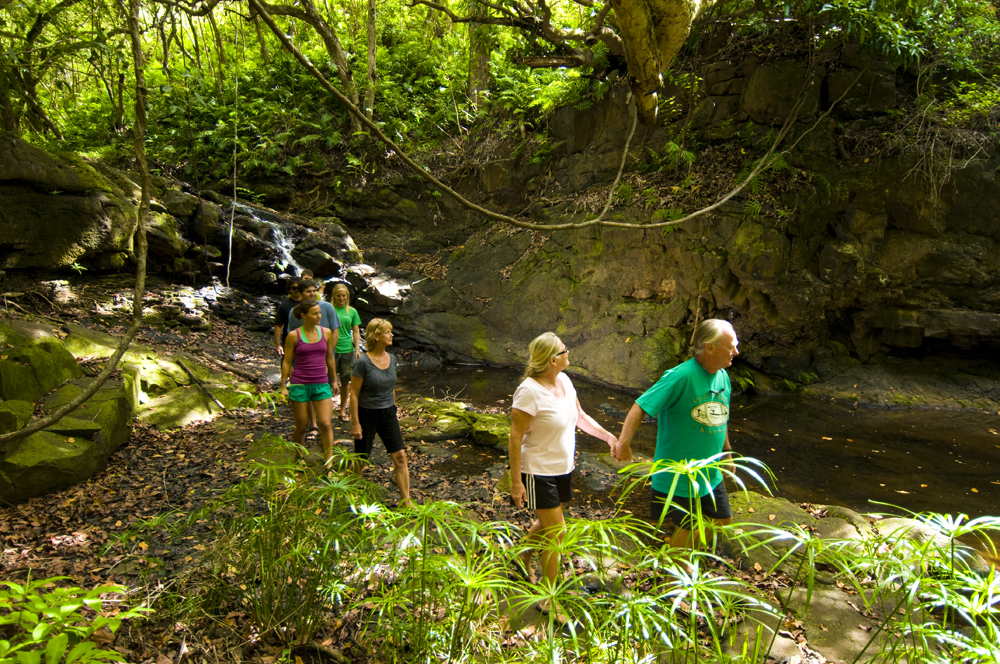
763	163
140	243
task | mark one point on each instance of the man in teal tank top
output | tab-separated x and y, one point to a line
691	405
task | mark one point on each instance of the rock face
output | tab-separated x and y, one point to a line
75	447
866	260
60	211
90	220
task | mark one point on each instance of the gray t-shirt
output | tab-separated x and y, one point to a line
377	385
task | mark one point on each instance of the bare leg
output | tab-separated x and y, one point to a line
312	416
324	413
345	385
300	410
545	534
402	474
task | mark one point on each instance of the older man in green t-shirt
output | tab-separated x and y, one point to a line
691	405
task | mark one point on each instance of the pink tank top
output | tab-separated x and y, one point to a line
310	360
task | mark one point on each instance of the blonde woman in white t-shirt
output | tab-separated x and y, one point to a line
544	418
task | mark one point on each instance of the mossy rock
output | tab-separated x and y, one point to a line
34	367
759	517
445	420
75	427
111	407
15	414
491	430
184	405
44	462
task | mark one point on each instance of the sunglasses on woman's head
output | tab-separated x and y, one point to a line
562	352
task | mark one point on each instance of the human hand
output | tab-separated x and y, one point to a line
356	430
284	391
518	493
281	351
623	452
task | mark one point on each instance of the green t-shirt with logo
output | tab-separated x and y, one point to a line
348	319
692	412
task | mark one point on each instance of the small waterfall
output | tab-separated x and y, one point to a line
281	241
285	246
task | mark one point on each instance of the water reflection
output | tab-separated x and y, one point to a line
918	460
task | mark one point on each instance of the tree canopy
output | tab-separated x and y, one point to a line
426	71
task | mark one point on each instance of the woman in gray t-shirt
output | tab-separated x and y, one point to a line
373	404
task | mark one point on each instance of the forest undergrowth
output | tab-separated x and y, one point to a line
239	552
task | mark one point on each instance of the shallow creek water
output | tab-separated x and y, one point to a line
820	452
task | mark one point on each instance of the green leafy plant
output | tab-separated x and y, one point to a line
40	619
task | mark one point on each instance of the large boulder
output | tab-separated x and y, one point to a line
74	448
60	209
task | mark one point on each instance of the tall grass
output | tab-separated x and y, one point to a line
430	583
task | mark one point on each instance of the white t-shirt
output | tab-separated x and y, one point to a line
549	443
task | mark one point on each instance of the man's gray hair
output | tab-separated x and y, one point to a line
709	331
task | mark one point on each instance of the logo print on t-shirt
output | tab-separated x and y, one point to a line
711	413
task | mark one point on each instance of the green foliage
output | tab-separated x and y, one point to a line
751	209
625	193
743	379
40	620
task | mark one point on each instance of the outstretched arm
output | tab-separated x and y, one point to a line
588	424
632	422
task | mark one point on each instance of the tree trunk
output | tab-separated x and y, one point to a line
653	32
220	56
9	119
480	47
260	40
372	34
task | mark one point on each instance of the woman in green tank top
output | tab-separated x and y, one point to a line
349	344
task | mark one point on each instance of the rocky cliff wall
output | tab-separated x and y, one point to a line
868	259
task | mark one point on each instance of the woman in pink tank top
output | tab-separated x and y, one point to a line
310	348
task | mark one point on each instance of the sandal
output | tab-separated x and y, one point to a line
345	418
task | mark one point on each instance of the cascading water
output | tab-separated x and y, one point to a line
278	238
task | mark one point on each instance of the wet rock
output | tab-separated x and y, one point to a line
319	262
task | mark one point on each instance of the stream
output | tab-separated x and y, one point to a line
825	453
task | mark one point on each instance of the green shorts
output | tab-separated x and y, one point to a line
310	392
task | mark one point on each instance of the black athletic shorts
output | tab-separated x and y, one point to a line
381	421
547	491
714	505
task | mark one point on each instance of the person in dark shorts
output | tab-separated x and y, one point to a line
281	315
349	347
544	417
691	405
307	383
373	404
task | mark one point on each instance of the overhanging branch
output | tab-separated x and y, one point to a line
762	164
